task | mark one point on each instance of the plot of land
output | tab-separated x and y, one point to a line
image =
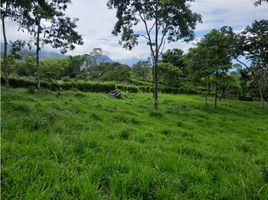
74	145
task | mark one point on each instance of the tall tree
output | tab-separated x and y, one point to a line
169	74
211	58
173	56
197	60
163	20
252	44
47	23
141	70
176	58
256	50
14	10
4	14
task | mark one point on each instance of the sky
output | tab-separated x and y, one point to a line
96	23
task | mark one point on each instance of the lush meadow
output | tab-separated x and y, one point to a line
75	145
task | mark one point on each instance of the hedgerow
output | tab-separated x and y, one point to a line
87	86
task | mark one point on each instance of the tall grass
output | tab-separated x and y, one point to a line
75	145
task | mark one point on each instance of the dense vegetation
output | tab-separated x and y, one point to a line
75	145
59	140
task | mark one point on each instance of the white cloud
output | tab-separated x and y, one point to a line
96	22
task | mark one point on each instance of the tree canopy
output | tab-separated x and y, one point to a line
163	20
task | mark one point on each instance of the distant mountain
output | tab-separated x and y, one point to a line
43	53
102	59
95	60
47	54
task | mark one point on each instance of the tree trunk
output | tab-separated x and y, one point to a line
156	60
6	68
262	99
156	86
216	92
37	54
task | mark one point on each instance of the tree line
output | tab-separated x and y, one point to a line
207	66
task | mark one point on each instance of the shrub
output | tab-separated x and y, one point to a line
86	86
20	83
128	88
244	98
145	89
95	87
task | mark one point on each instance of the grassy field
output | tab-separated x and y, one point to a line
75	145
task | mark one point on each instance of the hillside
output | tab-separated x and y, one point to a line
75	145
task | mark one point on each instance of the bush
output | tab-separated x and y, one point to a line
146	89
175	90
13	82
95	87
86	86
244	98
140	83
128	88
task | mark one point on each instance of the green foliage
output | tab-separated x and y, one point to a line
88	86
52	69
128	88
111	72
169	74
80	145
173	24
47	23
142	70
94	87
209	62
26	66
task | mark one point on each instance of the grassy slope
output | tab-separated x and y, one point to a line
90	146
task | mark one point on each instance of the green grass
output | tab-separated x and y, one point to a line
75	145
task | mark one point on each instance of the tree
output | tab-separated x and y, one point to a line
176	58
252	43
163	20
113	72
73	66
256	50
197	60
47	23
173	56
12	9
141	70
5	13
211	59
169	74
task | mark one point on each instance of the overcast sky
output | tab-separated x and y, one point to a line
96	22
